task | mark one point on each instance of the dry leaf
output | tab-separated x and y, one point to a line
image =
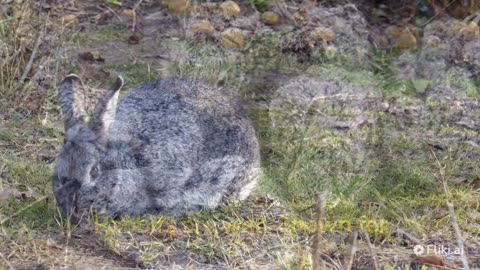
70	18
128	13
230	8
203	27
429	259
172	232
266	200
88	56
475	183
365	203
232	38
133	39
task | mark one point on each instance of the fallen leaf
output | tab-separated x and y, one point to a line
172	232
429	259
475	183
128	13
365	203
87	56
266	200
203	27
70	18
133	39
100	59
232	38
230	8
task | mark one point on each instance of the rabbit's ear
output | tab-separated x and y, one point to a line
104	112
71	96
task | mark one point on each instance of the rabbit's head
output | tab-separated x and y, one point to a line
76	166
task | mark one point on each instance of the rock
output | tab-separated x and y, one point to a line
393	31
230	8
405	41
323	34
203	27
270	18
232	38
176	6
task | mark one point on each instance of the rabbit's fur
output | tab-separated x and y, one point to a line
172	145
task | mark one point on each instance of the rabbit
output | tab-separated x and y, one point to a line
174	145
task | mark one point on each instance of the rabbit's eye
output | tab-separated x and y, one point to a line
94	172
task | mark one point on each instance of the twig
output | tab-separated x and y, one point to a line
460	241
285	12
349	257
32	57
6	261
370	249
135	7
139	2
409	236
320	211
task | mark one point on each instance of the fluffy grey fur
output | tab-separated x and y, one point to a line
172	145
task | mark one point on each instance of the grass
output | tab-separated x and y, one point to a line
103	35
210	62
133	74
395	173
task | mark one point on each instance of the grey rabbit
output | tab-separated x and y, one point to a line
171	145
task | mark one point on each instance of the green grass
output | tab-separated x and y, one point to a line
133	74
209	62
103	35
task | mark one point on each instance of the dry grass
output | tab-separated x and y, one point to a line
29	56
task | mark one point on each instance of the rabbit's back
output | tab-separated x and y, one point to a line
187	144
